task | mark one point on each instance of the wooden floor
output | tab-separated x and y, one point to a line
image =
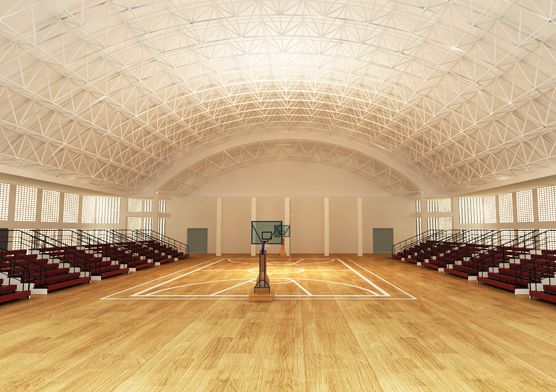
456	336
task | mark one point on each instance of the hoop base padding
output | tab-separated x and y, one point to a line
261	295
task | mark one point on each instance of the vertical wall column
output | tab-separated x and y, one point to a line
253	217
535	207
327	226
359	226
38	202
218	226
514	204
287	215
456	224
155	213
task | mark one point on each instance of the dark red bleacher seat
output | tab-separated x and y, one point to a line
548	294
9	293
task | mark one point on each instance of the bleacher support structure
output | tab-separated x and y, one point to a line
523	262
42	261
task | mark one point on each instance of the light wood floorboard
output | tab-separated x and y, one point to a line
457	336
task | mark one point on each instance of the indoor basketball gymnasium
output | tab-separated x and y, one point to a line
277	195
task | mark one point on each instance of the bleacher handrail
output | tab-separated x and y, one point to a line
165	240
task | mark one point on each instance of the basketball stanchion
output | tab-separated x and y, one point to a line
264	233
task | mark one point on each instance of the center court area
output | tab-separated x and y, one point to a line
298	278
121	335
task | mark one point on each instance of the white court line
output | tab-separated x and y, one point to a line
341	284
154	280
301	287
298	261
220	296
278	297
233	287
365	279
189	285
384	280
177	277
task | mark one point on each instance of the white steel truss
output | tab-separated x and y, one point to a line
112	92
231	159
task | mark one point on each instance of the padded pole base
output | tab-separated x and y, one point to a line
261	295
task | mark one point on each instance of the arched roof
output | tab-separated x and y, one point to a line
115	92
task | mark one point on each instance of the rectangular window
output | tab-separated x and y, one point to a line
432	205
432	223
101	210
489	209
524	201
162	225
439	205
134	205
445	223
4	201
88	209
506	208
471	210
21	240
418	226
134	223
148	223
164	205
147	206
507	235
25	204
50	206
549	240
107	210
547	204
71	208
440	223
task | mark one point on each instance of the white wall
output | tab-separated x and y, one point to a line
307	184
343	224
386	212
199	212
307	224
307	221
236	220
283	178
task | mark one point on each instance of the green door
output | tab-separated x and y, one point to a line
383	239
197	239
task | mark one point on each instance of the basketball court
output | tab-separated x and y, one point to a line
277	195
297	279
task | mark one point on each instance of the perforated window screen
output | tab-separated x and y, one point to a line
506	208
489	209
524	202
88	209
25	204
547	204
50	206
134	205
134	223
71	208
4	201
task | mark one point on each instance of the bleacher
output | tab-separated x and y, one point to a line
523	262
42	261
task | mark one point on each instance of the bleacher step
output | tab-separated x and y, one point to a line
14	296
